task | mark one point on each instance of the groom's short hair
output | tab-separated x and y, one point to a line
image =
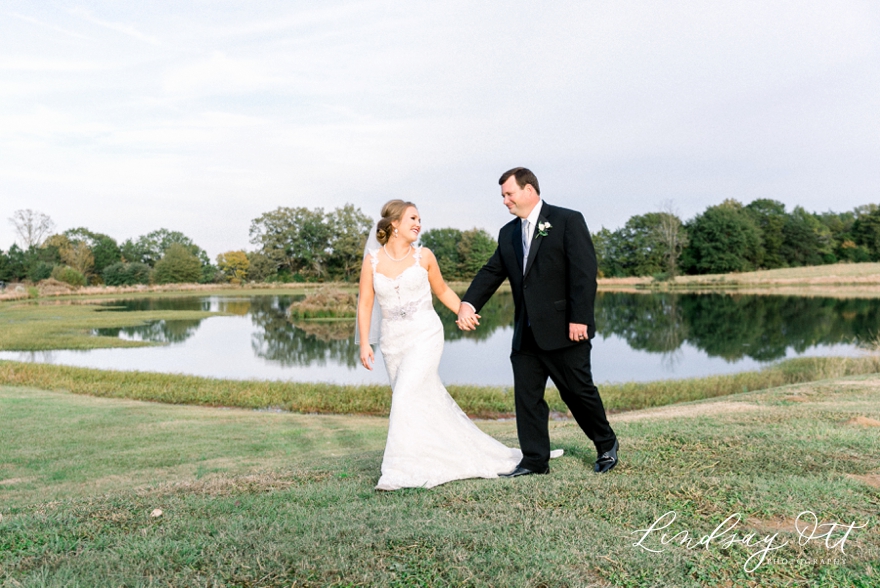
523	176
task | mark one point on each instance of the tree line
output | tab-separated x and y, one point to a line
291	245
302	244
732	237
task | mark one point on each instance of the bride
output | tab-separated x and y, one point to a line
430	440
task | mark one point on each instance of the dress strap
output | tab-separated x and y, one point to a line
417	254
374	257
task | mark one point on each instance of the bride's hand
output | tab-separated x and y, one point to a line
367	358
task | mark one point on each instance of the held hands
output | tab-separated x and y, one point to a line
367	358
577	332
467	318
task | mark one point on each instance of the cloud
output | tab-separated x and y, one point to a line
51	27
125	29
220	112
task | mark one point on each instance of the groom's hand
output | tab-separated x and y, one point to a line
577	332
468	319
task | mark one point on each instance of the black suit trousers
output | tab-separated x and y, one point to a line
569	369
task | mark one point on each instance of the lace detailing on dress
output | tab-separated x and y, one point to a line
406	311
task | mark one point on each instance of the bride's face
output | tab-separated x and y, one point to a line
410	225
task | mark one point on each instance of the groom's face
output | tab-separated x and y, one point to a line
519	201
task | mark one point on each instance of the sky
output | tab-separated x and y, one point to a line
199	116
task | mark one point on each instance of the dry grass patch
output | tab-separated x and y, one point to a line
863	422
872	480
687	411
225	485
773	525
14	481
796	398
326	302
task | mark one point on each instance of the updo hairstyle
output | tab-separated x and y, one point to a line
392	211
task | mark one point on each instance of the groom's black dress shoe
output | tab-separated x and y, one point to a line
521	471
607	460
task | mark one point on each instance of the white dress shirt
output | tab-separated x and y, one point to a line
533	219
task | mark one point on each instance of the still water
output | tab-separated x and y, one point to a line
640	337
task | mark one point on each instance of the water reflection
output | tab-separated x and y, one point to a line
176	331
278	338
641	337
304	343
762	328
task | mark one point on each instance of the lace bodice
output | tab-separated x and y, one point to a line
401	298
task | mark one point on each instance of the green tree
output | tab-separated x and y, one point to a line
722	239
40	261
474	250
866	230
5	268
150	248
806	241
770	218
349	228
16	264
636	248
444	244
603	245
260	268
178	265
296	239
104	248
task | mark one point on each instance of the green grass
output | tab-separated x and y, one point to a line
267	499
477	401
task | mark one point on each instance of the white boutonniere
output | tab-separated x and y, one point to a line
543	228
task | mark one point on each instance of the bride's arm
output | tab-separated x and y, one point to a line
443	292
365	312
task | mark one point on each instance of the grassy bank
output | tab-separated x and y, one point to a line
860	279
477	401
264	499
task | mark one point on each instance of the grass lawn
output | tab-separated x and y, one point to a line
253	498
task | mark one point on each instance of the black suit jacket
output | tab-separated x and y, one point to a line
559	284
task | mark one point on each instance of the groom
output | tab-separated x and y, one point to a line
547	255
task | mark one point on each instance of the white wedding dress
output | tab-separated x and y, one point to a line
430	439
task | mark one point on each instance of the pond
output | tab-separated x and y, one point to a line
640	337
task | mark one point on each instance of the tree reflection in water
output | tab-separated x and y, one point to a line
734	326
278	340
730	326
173	331
162	331
318	342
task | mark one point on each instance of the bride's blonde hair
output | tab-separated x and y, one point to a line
392	211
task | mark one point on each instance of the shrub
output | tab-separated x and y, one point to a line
68	275
127	274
